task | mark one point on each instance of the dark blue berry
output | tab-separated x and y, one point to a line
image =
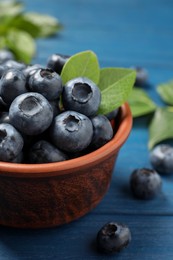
71	131
145	183
55	104
46	82
12	64
113	237
31	69
161	158
2	70
81	95
141	76
56	62
45	152
5	55
4	117
3	105
13	83
113	114
31	113
11	142
102	131
18	158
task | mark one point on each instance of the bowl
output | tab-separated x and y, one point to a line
52	194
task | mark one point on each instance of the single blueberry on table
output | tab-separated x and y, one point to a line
71	131
5	55
46	82
145	183
113	237
102	131
81	95
11	142
56	62
31	113
161	158
44	152
13	83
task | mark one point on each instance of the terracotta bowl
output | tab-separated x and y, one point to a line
47	195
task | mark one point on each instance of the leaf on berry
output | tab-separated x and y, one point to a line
166	92
115	84
140	103
21	44
161	126
82	64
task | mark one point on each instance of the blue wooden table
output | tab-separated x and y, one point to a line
122	33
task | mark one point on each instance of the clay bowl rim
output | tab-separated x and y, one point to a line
72	165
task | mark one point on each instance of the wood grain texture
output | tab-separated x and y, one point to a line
122	33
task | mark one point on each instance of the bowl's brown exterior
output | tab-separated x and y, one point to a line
47	195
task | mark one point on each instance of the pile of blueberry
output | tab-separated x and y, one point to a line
42	120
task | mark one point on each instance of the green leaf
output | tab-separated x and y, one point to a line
140	103
22	45
115	85
10	8
47	25
2	42
166	92
82	64
161	126
22	23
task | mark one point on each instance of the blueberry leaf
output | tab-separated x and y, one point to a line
166	92
140	103
115	85
47	25
82	64
22	45
161	126
10	8
22	23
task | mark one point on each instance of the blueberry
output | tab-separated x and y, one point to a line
55	104
3	105
113	114
18	158
141	76
57	61
31	69
161	158
113	237
4	117
12	64
46	82
81	95
71	131
44	152
13	83
2	70
31	113
145	183
102	131
11	142
5	55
